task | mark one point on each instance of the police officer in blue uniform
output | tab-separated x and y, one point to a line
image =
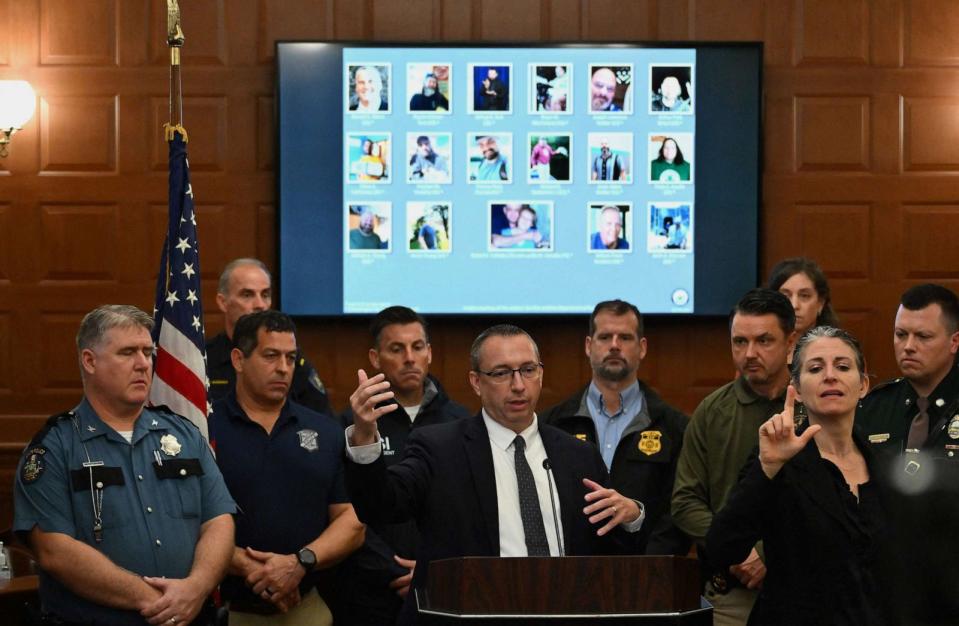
284	465
913	424
245	287
123	505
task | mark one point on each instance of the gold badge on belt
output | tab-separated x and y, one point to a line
649	442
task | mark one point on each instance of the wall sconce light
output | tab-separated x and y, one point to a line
17	102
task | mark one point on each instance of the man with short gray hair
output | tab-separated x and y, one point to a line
246	286
123	504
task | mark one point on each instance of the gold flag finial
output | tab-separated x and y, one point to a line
174	35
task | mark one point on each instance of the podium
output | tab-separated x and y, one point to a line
560	591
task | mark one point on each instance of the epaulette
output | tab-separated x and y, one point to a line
162	408
52	421
889	384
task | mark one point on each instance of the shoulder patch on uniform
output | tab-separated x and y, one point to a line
33	464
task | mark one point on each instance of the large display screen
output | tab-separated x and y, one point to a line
477	180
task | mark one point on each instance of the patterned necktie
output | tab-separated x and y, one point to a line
919	430
533	528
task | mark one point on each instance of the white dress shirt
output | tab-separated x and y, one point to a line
512	539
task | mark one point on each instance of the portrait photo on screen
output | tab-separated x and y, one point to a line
609	156
610	226
368	226
368	158
670	158
489	158
609	88
520	226
670	227
551	88
428	87
368	88
429	227
549	158
671	89
490	88
429	158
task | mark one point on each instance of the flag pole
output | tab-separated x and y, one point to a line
179	376
174	39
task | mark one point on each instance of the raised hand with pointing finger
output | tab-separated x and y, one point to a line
778	441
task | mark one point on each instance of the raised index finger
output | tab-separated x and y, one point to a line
789	408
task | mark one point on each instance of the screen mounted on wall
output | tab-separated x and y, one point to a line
525	180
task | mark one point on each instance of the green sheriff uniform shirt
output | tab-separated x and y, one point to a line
721	434
154	495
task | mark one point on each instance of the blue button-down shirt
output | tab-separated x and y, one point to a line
151	519
610	427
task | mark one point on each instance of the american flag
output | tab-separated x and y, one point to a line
179	379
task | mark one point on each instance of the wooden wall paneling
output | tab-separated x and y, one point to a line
412	20
5	18
832	133
456	19
931	30
673	20
839	236
727	20
929	250
614	20
6	354
511	20
779	140
832	33
352	19
78	32
886	28
265	136
285	20
930	134
78	134
564	20
778	35
265	245
67	233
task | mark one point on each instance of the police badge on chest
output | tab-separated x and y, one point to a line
308	439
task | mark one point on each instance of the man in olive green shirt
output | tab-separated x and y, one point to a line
723	432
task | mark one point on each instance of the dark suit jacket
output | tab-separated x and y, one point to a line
821	561
445	482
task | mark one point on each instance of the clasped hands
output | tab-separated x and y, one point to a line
274	577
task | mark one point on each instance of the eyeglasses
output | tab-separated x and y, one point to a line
502	375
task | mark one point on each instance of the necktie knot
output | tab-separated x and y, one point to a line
923	404
519	443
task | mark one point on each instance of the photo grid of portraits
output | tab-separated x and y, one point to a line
480	134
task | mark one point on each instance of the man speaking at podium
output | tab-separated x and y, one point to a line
498	483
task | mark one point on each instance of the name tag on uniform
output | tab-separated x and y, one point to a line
879	438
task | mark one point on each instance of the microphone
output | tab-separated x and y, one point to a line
552	502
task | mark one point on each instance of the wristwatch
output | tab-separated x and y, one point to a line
306	558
